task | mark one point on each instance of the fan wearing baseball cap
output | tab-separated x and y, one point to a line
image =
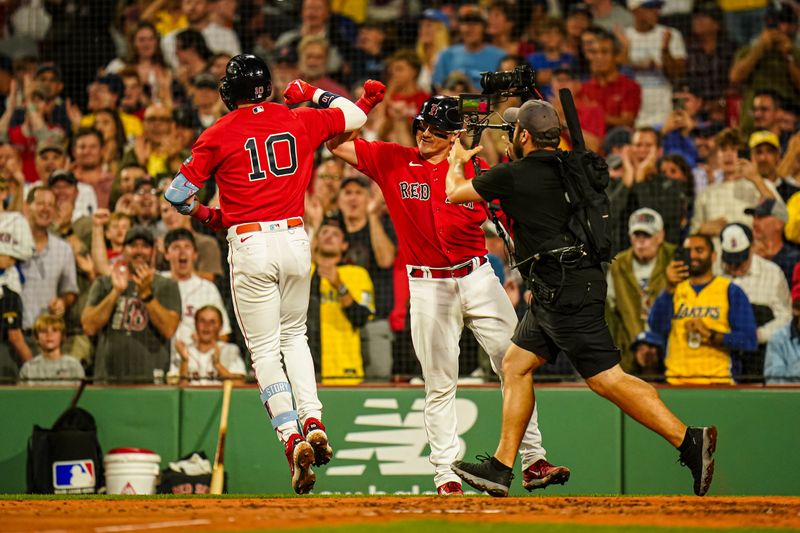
765	154
635	279
703	317
769	219
765	286
342	302
741	187
132	311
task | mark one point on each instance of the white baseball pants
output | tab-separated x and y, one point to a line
439	310
270	284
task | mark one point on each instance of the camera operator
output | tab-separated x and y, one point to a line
450	282
567	309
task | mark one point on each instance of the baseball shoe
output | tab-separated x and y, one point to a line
541	474
300	455
451	488
315	434
697	453
490	475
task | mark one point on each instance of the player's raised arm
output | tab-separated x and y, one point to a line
342	146
299	91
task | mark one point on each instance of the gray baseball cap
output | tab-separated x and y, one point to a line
536	116
769	207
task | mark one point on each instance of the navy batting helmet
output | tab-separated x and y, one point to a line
247	81
442	113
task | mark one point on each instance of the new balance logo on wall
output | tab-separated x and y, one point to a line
401	447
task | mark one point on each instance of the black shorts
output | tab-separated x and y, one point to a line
575	324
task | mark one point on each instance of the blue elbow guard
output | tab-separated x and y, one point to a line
180	190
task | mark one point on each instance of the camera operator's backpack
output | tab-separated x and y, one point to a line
585	177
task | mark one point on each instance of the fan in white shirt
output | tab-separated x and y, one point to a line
181	253
761	280
16	244
658	55
206	360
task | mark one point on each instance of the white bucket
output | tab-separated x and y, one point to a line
131	471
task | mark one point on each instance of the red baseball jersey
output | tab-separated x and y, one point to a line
262	158
430	230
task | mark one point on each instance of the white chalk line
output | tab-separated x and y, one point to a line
151	525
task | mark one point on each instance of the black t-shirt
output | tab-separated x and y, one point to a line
10	312
10	318
532	195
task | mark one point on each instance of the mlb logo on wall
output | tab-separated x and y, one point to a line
74	476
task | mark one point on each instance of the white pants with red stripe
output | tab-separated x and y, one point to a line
270	284
440	308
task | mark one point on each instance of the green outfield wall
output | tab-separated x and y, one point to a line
380	446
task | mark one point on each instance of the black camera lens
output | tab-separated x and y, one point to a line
519	80
493	82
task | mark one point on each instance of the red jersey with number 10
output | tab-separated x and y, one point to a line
262	158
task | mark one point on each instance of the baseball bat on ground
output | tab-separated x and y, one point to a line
218	472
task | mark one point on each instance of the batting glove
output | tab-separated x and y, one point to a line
298	92
374	91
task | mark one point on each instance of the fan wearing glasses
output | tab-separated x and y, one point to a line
451	283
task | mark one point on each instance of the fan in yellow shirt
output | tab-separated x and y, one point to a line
342	301
703	317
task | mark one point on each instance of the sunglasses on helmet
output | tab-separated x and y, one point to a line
424	127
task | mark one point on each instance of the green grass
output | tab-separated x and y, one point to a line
445	526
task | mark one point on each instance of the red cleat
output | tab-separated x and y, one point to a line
451	488
300	455
541	474
314	431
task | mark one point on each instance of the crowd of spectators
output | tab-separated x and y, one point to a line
693	104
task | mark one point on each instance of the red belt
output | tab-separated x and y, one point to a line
269	226
447	273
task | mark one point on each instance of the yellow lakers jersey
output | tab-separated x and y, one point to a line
340	342
689	361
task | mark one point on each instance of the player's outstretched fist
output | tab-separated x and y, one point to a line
374	91
298	92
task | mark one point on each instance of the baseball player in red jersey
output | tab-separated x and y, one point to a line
261	155
450	280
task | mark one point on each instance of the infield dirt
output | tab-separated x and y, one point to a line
246	514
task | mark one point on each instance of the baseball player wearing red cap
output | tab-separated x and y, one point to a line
261	155
451	282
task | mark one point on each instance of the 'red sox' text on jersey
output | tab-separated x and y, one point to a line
262	158
431	231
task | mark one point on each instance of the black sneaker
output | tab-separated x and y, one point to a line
485	476
697	453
